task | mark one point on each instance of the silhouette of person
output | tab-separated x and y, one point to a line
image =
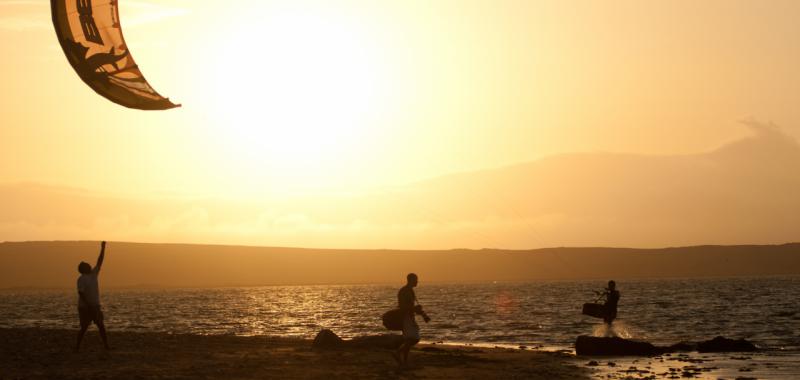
89	298
612	299
406	299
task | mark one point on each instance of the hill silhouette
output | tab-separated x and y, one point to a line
53	264
744	192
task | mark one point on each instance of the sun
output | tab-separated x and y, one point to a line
297	91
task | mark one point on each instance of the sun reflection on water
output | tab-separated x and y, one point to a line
532	314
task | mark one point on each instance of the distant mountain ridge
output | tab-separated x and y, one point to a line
54	264
743	192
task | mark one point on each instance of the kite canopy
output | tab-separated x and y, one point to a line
90	34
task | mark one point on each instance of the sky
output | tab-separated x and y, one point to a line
303	122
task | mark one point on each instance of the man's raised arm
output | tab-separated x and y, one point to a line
100	258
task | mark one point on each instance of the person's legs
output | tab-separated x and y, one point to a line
398	356
410	338
406	349
84	314
411	335
401	355
101	326
80	336
611	315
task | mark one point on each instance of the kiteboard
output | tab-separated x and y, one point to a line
393	320
596	310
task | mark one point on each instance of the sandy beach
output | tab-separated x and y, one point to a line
48	354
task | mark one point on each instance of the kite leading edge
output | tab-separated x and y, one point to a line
89	32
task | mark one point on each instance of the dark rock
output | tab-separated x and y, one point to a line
681	347
593	363
327	339
385	341
722	344
595	346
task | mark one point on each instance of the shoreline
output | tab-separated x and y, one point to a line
34	353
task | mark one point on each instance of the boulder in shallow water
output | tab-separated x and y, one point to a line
722	344
327	339
596	346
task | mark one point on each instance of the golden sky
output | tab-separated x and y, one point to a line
291	106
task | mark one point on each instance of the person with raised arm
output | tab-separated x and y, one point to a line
89	310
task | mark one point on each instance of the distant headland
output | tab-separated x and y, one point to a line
53	264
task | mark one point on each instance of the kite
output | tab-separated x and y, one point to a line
89	32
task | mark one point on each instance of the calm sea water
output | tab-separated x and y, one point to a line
538	314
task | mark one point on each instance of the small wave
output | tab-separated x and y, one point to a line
445	326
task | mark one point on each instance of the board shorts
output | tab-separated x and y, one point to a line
410	329
90	314
611	315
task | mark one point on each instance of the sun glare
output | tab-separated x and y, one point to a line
296	91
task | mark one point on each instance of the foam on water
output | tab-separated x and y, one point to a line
617	329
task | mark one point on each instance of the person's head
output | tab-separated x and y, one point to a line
412	279
612	285
84	268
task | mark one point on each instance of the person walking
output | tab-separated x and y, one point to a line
408	305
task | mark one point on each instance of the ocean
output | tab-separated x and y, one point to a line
543	315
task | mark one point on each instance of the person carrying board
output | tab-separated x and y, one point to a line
406	299
612	299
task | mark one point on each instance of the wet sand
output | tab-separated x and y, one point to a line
48	354
693	365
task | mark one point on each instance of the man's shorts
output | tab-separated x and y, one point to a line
410	329
89	314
